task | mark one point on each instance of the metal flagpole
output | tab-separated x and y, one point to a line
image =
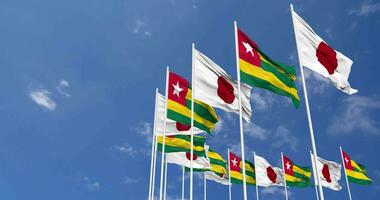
163	134
166	179
204	186
192	122
183	182
345	173
240	112
257	187
153	145
154	166
229	176
308	110
314	176
283	168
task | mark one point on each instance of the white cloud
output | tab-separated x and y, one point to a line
145	129
91	185
255	131
261	100
275	190
355	114
141	27
41	97
126	149
365	9
130	180
283	137
60	87
328	32
316	83
219	126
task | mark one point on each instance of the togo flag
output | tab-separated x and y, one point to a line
215	87
317	55
172	127
356	173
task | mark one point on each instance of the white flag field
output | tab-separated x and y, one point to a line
317	55
266	174
183	159
216	88
172	127
329	173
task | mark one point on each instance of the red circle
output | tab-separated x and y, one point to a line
327	57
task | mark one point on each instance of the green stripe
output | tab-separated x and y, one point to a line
201	111
284	78
186	120
218	162
291	71
251	80
173	149
250	174
298	184
301	176
238	181
359	181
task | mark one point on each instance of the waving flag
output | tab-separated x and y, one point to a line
266	174
236	171
257	69
355	172
172	127
295	175
317	55
183	159
179	106
215	87
329	173
182	143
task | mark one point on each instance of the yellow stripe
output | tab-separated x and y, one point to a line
215	156
279	69
357	175
183	110
238	175
209	108
301	171
175	142
356	166
266	76
218	169
248	167
293	178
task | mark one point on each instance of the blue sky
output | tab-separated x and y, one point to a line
78	80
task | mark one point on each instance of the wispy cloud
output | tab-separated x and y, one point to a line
140	27
42	98
274	190
91	185
255	131
316	83
145	129
126	149
129	180
355	114
283	137
365	9
61	86
262	100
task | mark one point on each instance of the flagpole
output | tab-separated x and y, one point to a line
283	168
257	187
314	148
154	166
314	176
163	134
204	186
183	182
345	173
192	122
240	112
166	175
229	176
153	145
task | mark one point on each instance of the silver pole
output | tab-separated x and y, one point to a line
345	173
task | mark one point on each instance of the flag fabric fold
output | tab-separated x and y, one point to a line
329	173
172	127
216	88
296	176
257	69
317	55
179	106
266	174
356	173
236	171
182	143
